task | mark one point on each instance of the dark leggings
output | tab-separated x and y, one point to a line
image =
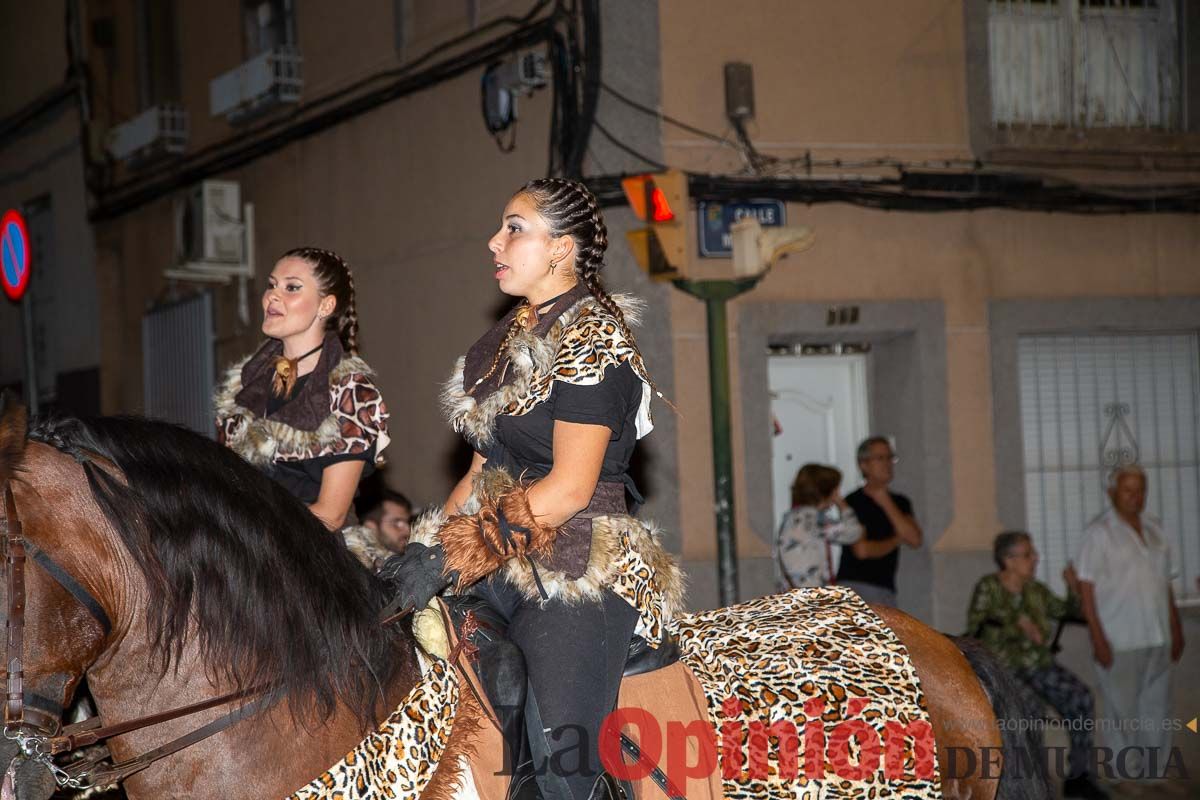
575	654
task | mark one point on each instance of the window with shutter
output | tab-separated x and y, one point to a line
1092	402
1085	63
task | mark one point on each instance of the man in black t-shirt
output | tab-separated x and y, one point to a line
869	565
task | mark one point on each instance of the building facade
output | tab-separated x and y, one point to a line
42	177
987	231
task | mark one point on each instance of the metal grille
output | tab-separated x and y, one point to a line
1089	403
178	358
1084	63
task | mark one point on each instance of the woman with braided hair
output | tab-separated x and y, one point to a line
304	407
552	399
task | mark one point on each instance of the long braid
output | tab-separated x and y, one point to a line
571	209
498	355
334	277
348	328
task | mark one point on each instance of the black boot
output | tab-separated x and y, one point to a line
608	787
500	667
1083	786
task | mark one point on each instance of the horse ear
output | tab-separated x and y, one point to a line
14	422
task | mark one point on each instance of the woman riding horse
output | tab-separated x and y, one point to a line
304	408
212	578
553	399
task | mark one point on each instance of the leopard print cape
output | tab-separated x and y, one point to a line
583	342
825	666
357	419
400	758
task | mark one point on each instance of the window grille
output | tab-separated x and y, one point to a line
1092	402
178	363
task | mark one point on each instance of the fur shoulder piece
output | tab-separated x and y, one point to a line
581	345
357	419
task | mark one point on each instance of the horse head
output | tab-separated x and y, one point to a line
217	583
56	626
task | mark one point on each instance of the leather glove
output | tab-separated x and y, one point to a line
416	576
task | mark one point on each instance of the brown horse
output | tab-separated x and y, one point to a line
213	579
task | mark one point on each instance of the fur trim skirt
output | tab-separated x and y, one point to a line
627	557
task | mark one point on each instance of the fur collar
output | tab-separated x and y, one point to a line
582	342
258	439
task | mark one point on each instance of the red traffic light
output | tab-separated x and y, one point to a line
660	208
647	200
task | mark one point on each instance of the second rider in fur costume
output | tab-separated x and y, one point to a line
553	399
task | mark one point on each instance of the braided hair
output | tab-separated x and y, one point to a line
333	277
570	209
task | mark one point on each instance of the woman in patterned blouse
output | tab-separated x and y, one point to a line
305	408
818	520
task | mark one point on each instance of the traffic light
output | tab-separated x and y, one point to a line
661	200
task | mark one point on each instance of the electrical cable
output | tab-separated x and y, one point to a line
657	165
664	117
195	167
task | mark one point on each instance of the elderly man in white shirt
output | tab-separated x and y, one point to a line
1125	586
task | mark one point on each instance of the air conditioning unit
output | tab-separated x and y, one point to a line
208	226
262	82
157	131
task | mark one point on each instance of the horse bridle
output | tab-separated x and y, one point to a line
39	732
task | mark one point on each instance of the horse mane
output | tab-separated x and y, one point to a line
12	435
275	598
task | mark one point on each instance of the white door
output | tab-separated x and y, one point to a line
820	413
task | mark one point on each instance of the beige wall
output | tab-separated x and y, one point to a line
883	80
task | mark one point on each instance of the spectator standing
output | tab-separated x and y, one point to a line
869	565
1125	586
818	520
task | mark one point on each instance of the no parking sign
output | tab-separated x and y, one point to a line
15	256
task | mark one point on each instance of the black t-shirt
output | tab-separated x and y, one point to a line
303	478
876	527
524	445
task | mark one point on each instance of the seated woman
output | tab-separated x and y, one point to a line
818	520
304	408
1011	613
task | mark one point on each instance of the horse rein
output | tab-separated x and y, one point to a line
39	734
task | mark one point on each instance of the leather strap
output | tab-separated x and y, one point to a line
81	734
65	580
657	775
14	565
119	772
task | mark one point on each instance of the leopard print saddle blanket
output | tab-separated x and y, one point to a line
806	695
812	697
399	759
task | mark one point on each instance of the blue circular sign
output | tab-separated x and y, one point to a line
14	254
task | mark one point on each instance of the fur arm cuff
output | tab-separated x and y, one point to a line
478	544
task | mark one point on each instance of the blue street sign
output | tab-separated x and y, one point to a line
715	220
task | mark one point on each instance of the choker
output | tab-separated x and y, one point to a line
528	315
